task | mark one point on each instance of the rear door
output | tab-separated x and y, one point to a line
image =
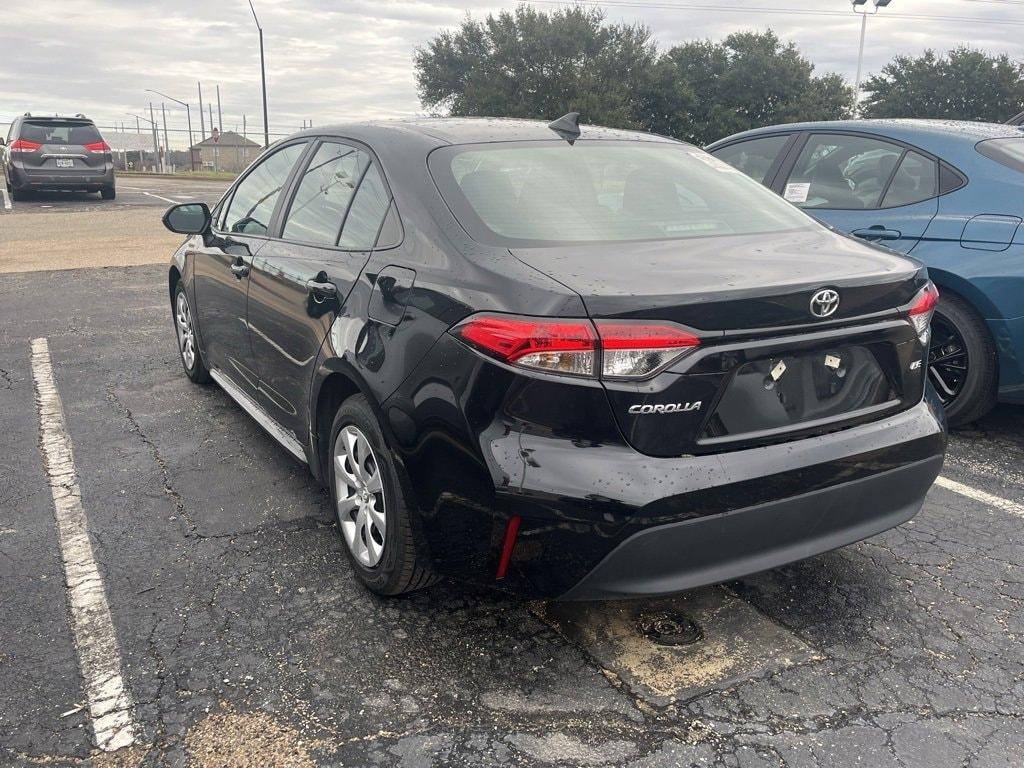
65	147
301	278
222	266
875	189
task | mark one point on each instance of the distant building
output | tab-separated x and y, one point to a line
228	151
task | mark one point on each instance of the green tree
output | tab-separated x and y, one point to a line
752	79
527	63
965	84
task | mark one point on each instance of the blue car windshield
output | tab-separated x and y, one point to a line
1008	152
600	191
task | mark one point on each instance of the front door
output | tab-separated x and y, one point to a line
301	280
223	266
871	188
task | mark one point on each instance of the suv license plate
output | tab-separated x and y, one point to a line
65	162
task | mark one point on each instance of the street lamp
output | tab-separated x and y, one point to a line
263	78
188	113
863	5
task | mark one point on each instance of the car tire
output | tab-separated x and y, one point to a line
185	333
960	337
358	462
108	193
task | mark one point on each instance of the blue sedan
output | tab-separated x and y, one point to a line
949	193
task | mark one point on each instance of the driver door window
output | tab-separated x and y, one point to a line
842	172
253	203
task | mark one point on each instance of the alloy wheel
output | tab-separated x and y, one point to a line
362	514
186	334
948	360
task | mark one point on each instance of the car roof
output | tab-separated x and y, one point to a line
475	130
955	130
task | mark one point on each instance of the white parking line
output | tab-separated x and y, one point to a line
158	197
99	656
983	496
7	199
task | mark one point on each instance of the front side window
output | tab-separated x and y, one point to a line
754	157
253	203
915	180
610	191
324	194
842	172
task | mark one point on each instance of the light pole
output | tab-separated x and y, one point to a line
188	113
263	79
863	5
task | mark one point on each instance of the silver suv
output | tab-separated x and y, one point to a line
57	153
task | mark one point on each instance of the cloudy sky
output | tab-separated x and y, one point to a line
330	60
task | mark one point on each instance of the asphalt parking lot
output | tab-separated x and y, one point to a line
243	638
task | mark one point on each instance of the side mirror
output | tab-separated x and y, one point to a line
188	218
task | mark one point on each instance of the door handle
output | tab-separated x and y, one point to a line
321	287
878	232
239	268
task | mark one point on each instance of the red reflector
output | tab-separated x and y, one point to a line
98	146
630	335
24	145
925	301
511	532
510	338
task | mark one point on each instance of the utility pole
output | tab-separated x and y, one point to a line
167	143
263	79
202	120
188	114
244	136
864	13
220	118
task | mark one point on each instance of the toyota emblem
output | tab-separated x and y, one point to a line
825	303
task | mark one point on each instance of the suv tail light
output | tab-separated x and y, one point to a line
24	145
607	348
922	309
98	147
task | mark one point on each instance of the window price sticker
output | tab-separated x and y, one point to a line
797	192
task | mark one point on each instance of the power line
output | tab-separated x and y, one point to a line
653	5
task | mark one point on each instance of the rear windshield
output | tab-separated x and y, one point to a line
59	132
551	192
1008	152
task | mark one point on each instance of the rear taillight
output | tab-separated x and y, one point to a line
24	145
609	348
631	349
98	147
922	309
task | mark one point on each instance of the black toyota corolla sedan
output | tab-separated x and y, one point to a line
569	362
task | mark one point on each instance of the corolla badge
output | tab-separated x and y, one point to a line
824	303
665	408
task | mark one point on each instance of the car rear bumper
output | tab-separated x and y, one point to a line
93	178
669	558
497	445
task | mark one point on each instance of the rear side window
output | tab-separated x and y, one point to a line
915	180
59	132
324	194
1008	152
367	212
256	195
842	172
754	157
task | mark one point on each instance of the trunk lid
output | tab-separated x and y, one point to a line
731	283
64	145
767	370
